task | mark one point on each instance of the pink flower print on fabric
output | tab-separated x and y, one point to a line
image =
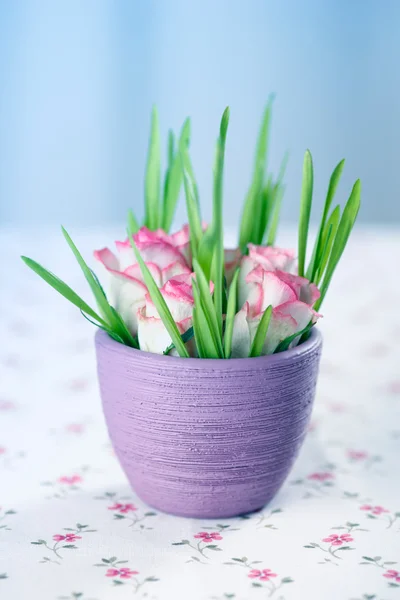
375	510
68	537
262	575
392	574
70	479
123	573
123	508
338	540
208	537
321	476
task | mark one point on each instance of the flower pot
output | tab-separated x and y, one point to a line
207	437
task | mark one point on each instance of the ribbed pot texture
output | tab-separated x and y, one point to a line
205	437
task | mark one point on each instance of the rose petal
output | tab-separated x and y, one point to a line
272	258
241	334
173	270
153	336
274	291
280	327
107	258
306	292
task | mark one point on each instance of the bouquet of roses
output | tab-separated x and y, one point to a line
184	293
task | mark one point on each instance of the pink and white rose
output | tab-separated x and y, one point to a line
152	333
267	257
290	296
166	256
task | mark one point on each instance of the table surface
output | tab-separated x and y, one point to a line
70	526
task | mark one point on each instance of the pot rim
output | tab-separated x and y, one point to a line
163	360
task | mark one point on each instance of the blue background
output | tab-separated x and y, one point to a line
78	79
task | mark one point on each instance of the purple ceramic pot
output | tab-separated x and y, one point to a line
207	437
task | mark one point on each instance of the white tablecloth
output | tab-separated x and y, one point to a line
70	526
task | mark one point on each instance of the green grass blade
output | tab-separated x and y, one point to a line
132	222
275	215
261	333
230	315
275	208
250	215
316	255
94	286
202	328
345	227
170	157
63	289
267	201
218	258
250	212
328	238
174	181
305	209
152	177
160	304
198	335
171	147
205	251
263	138
114	320
192	207
208	306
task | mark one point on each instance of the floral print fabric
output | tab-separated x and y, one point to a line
72	529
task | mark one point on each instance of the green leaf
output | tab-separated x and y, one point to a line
114	321
152	178
275	215
345	227
261	333
97	290
132	222
267	198
328	237
208	307
198	335
159	303
274	208
182	543
218	258
316	255
62	288
230	314
174	177
192	207
204	335
284	344
305	209
249	226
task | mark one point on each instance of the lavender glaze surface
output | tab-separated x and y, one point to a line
207	437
